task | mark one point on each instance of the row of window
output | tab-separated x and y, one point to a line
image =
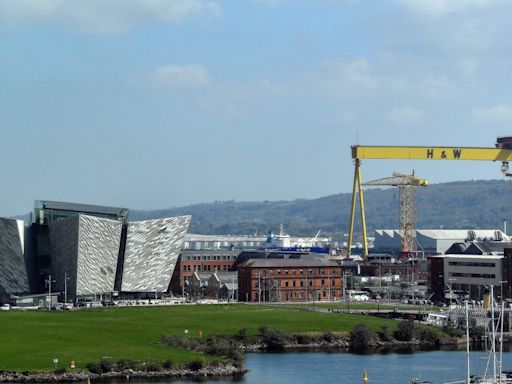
210	257
297	272
207	267
471	264
295	283
475	275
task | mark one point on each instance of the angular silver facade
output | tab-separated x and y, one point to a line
13	271
152	249
86	249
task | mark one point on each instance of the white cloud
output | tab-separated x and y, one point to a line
351	78
101	16
497	114
438	87
357	73
440	8
405	115
180	76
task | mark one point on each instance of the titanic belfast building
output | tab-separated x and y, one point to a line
88	250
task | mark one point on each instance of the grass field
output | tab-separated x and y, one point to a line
31	340
370	306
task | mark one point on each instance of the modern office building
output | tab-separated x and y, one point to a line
13	265
152	249
467	270
88	252
84	255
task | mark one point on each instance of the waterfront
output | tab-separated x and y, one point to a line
392	368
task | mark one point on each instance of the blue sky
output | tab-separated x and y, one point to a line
157	103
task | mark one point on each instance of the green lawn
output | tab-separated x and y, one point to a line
371	306
31	340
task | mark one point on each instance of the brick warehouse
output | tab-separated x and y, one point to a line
281	280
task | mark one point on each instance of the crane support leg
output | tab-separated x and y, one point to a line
353	209
363	219
357	187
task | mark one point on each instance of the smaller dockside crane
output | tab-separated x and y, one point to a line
407	195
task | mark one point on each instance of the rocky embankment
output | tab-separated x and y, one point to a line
48	377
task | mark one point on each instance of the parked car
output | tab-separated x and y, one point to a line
5	307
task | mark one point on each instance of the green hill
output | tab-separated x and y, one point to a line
466	204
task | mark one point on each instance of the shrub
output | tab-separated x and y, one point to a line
106	365
184	342
236	356
404	331
94	368
304	338
242	334
361	338
123	364
263	329
452	331
153	366
385	333
428	335
217	345
195	365
59	371
275	341
167	364
329	337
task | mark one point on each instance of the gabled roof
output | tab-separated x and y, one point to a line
226	276
203	275
230	286
457	248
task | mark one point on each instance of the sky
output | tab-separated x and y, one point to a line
150	104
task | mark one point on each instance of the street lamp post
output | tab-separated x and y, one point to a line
49	282
66	278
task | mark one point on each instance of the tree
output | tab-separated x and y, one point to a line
361	338
405	331
385	333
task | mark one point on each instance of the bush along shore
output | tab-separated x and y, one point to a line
361	339
105	369
225	354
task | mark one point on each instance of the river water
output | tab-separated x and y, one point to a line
392	368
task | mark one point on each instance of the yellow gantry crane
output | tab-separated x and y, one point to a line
407	196
502	152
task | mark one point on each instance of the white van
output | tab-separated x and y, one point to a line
5	307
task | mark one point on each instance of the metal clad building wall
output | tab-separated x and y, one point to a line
152	249
13	272
98	247
64	253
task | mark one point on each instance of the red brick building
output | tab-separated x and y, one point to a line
191	261
281	280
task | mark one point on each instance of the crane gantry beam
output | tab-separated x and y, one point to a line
502	152
430	153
